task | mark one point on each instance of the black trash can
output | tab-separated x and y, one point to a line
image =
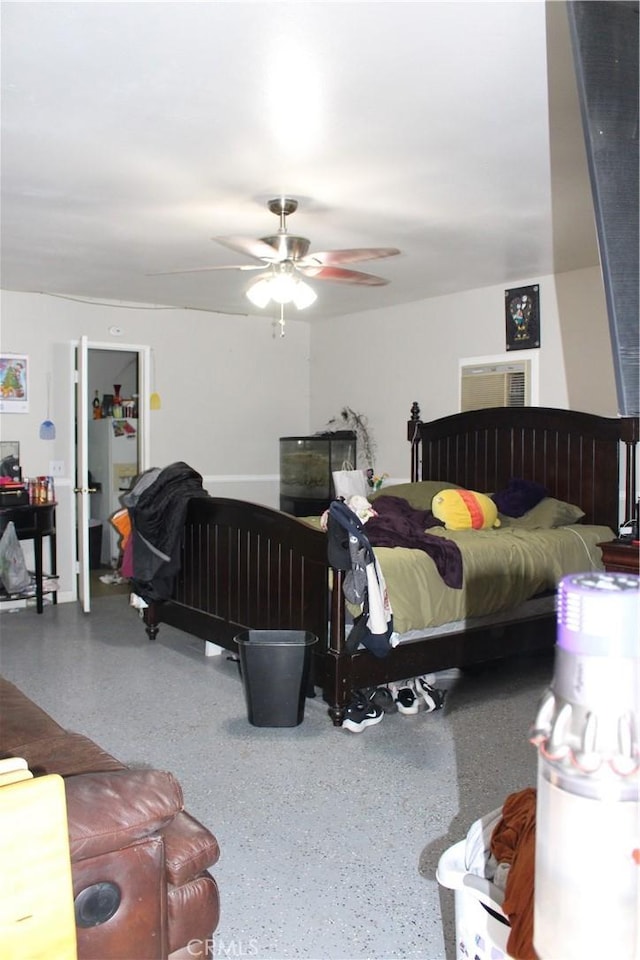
274	666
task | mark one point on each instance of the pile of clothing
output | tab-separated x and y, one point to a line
349	549
151	525
500	847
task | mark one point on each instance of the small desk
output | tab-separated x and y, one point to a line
34	521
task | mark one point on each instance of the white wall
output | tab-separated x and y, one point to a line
229	390
380	361
586	342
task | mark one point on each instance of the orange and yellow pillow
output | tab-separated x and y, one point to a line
465	510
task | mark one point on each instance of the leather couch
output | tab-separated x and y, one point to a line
139	861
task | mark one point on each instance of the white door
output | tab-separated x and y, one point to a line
82	476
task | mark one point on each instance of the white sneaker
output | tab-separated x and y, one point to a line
433	698
361	713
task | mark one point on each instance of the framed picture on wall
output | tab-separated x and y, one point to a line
522	317
14	383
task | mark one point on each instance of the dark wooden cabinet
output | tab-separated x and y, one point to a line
34	521
621	556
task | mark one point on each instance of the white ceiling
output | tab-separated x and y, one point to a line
133	133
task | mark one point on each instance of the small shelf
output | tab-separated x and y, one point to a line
34	521
49	585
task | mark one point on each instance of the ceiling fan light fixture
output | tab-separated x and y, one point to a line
259	293
304	295
281	288
283	257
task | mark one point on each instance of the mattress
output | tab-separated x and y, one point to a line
502	569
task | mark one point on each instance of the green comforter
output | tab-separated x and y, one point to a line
501	569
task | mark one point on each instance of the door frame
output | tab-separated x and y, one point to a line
80	452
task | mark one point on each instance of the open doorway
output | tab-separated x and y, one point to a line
113	457
112	448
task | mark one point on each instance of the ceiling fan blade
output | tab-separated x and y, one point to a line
235	266
341	276
284	252
328	258
251	247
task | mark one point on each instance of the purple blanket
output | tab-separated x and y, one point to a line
398	524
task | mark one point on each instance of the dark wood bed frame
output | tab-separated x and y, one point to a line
245	566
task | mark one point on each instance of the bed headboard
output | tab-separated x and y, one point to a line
577	456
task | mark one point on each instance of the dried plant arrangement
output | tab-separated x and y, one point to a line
358	423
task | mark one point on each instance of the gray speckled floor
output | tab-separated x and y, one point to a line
329	840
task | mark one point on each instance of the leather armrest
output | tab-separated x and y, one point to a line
189	848
68	753
108	811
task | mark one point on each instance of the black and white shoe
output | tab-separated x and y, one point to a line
361	713
382	698
405	698
433	698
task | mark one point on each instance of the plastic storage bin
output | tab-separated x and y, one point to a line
482	930
274	665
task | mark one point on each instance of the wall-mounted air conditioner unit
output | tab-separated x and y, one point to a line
495	385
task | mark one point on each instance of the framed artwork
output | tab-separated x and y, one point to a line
14	383
522	317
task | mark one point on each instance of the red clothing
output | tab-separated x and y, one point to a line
514	841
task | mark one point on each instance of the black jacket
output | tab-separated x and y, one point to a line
157	506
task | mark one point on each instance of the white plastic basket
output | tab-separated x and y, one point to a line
482	930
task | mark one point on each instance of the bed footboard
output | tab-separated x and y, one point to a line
244	566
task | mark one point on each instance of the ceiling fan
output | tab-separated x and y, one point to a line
285	257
